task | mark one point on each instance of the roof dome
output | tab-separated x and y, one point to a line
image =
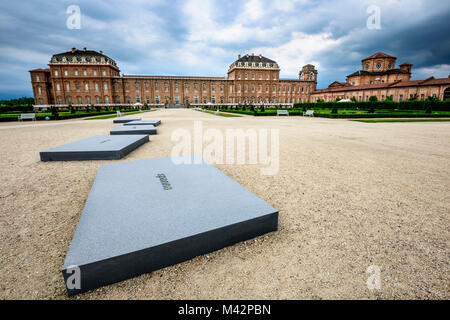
84	56
254	61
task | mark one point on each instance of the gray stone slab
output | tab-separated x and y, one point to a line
95	148
145	215
133	130
125	120
144	123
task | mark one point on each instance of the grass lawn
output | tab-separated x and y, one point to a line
402	120
229	115
352	113
12	116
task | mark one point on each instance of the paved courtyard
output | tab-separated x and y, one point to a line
350	195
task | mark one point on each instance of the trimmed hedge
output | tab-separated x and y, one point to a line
59	117
435	105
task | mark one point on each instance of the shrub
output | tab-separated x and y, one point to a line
373	99
334	110
54	112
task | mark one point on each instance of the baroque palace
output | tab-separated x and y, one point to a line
86	77
379	77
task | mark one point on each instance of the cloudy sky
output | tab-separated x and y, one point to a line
203	37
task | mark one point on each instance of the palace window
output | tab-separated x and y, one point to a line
97	100
84	73
213	88
69	100
95	73
128	100
213	99
96	87
146	86
177	99
137	87
166	88
176	88
221	88
86	87
117	99
156	87
186	88
148	100
107	100
39	90
196	99
126	87
157	99
77	86
37	78
66	73
400	98
104	73
76	73
67	87
138	99
79	100
204	88
105	86
204	100
56	73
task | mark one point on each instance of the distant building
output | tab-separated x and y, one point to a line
379	77
86	77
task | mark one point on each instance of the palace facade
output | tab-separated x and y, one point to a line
86	77
379	77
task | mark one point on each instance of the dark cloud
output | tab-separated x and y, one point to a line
196	37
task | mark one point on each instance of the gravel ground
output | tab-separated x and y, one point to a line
350	195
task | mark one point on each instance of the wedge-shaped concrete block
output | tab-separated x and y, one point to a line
95	148
125	120
144	123
145	215
133	130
